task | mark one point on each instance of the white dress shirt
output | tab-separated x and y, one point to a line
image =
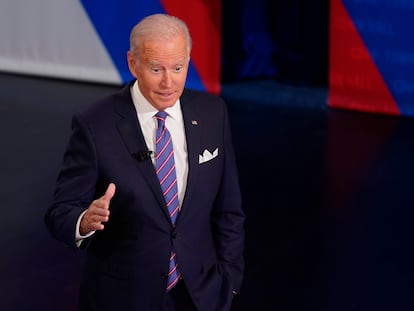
175	125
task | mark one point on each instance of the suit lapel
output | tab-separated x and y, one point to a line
131	133
192	133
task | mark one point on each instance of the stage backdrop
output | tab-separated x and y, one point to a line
88	40
372	56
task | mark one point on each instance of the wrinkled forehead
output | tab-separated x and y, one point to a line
157	50
151	37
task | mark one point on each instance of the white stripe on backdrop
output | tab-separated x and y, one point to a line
52	38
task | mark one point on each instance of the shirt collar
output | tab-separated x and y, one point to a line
147	111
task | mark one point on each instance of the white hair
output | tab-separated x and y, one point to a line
161	26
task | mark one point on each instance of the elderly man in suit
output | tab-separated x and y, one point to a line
149	187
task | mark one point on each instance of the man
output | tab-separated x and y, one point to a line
153	241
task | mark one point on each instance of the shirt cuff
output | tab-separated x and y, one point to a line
78	236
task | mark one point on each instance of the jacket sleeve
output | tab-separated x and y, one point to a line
228	216
75	186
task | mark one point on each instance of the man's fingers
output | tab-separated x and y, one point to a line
99	208
95	226
95	218
93	222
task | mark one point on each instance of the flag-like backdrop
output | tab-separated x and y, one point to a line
372	56
88	40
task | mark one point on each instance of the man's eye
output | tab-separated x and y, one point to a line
156	70
178	68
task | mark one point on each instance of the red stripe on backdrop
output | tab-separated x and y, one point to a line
354	80
203	17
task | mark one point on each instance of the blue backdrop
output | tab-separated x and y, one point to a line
284	40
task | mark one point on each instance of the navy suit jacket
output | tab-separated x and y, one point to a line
127	261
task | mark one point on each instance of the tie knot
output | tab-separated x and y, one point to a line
161	116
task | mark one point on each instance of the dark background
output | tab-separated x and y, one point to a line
282	40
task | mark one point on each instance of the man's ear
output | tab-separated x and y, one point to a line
131	64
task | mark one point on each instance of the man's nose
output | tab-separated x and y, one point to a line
167	80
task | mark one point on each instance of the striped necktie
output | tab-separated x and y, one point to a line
165	168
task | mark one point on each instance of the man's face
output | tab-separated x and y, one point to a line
161	68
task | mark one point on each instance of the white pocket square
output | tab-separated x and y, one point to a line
207	156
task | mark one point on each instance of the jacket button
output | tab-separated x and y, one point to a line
174	234
164	275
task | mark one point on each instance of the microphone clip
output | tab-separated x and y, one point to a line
143	155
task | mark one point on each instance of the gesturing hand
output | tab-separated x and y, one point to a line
97	213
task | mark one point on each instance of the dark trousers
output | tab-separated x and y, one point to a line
178	299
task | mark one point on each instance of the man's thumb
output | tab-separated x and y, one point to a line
110	191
